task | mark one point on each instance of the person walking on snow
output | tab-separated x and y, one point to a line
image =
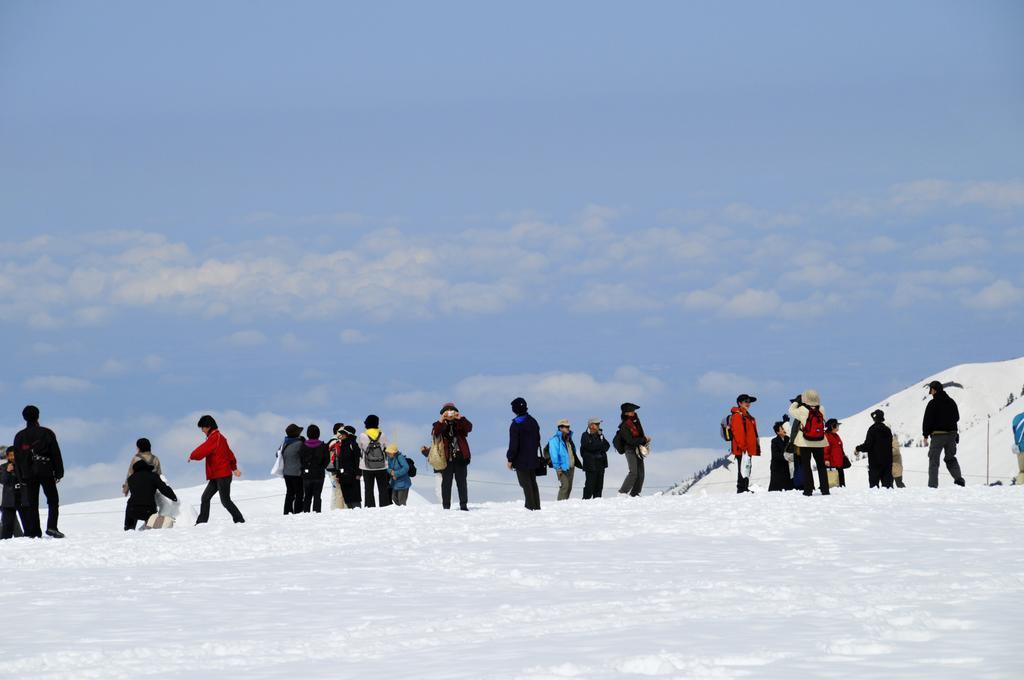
41	467
452	429
780	480
221	464
562	451
1018	446
143	484
398	472
835	456
374	463
897	463
291	468
524	452
809	439
940	425
745	443
315	458
878	446
632	444
594	452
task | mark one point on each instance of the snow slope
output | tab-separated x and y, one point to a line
984	393
919	584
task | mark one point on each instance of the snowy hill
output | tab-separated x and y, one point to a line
980	390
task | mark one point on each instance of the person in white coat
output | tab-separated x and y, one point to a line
809	438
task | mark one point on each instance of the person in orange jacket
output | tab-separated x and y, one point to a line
745	443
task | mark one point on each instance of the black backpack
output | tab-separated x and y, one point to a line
412	466
617	442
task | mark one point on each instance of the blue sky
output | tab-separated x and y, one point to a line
316	211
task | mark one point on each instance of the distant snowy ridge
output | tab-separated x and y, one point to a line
987	394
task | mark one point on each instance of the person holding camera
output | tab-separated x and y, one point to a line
594	452
452	429
809	438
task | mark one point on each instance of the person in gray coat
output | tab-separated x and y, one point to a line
291	453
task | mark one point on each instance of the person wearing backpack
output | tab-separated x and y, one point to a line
878	446
221	464
291	468
941	417
398	475
143	484
523	454
42	467
594	452
1018	446
780	480
835	456
315	458
374	463
745	443
452	429
809	439
631	438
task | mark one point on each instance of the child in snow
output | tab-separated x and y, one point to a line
14	501
398	471
143	484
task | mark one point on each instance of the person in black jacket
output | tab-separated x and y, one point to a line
41	466
143	484
631	436
348	467
594	452
12	502
315	458
524	452
941	417
780	477
878	445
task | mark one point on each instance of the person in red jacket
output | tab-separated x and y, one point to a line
835	457
745	443
220	465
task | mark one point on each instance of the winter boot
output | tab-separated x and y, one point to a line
960	482
54	533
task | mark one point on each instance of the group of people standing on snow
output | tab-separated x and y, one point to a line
812	436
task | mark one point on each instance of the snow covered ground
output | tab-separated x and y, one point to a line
868	584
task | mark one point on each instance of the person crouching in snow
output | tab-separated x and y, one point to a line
143	484
221	464
835	457
398	471
315	459
15	498
745	443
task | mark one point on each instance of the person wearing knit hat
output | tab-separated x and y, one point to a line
594	454
374	463
42	467
631	441
398	471
523	447
809	438
452	431
562	451
941	425
878	445
289	467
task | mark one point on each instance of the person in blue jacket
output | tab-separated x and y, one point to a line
398	471
1018	445
563	455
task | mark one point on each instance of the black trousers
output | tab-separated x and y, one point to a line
9	521
312	491
293	494
132	515
221	486
531	493
350	490
880	470
594	483
378	478
805	468
49	487
456	471
742	483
